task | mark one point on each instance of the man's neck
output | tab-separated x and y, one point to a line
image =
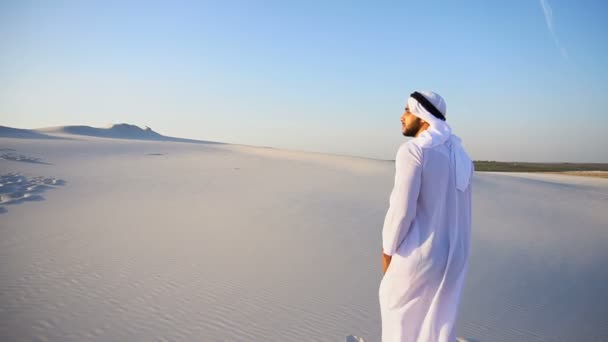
423	128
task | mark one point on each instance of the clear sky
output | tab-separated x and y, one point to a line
524	80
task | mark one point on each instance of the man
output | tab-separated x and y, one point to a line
426	233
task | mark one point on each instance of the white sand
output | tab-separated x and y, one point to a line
151	240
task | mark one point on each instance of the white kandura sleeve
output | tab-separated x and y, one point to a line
402	204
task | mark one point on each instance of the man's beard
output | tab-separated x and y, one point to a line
412	129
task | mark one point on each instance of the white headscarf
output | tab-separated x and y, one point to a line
439	132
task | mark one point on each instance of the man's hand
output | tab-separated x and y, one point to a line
386	260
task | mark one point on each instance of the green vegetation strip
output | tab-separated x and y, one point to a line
484	165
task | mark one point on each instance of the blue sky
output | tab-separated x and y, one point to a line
523	80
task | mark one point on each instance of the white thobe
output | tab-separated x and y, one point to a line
427	231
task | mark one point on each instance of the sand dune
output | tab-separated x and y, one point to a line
152	240
123	131
10	132
116	131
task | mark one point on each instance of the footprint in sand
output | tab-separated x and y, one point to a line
21	158
16	188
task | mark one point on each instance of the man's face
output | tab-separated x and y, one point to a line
410	124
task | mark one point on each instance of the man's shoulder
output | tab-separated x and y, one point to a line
410	151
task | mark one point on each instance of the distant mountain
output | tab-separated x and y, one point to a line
117	131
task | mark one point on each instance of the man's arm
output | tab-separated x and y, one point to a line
402	207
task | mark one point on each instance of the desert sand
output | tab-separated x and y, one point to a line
167	240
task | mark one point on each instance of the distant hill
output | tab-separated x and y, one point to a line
117	131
